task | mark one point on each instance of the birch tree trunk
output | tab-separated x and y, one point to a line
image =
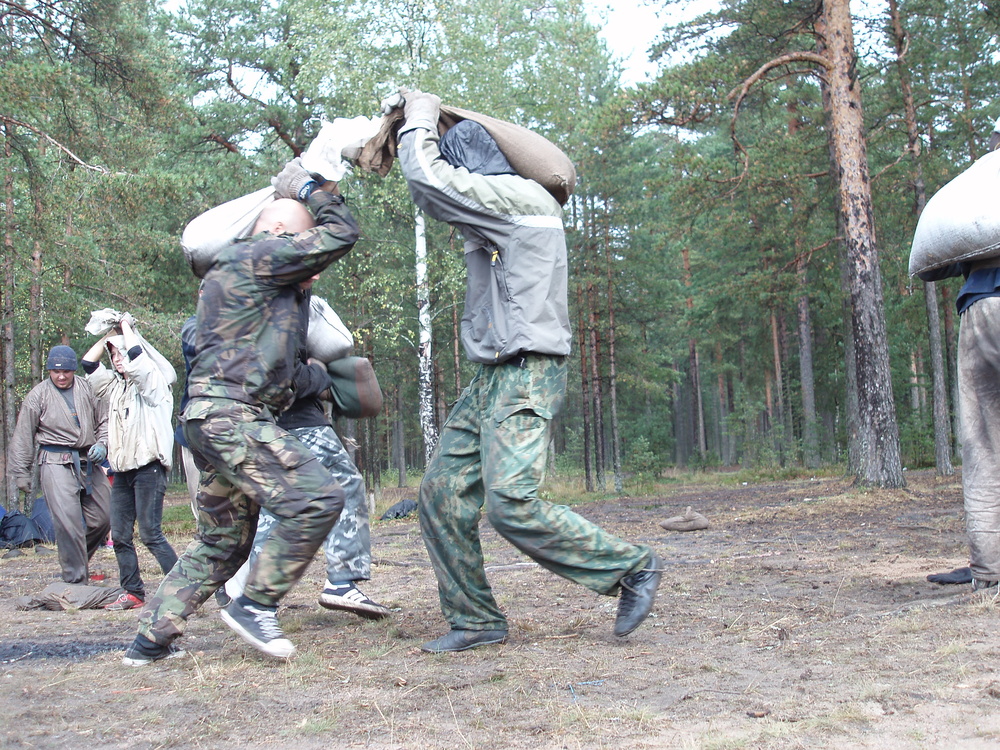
425	359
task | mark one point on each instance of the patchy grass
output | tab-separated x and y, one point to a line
800	618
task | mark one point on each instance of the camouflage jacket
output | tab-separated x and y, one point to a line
248	314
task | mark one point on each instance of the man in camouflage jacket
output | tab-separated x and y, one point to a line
242	375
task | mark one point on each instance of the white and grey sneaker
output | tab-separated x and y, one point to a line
348	597
258	626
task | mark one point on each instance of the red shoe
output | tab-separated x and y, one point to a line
125	601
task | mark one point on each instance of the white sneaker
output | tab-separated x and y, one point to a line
350	598
258	626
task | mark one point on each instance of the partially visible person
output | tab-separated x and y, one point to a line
242	374
140	451
348	546
69	425
191	473
492	448
978	304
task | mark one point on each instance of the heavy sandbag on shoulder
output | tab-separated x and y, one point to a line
960	222
531	154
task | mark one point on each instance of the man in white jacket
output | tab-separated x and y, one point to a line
140	449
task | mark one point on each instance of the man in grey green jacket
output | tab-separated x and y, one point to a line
493	445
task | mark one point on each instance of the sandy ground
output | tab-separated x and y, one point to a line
800	619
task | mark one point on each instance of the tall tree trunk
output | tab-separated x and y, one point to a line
616	444
597	392
914	384
698	414
584	393
426	362
878	431
399	438
781	440
810	438
851	402
456	344
942	425
9	489
951	358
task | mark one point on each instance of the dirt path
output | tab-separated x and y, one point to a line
800	619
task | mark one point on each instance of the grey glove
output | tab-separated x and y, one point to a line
421	111
394	101
23	484
97	453
294	181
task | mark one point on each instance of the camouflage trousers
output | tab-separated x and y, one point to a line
492	452
247	462
348	546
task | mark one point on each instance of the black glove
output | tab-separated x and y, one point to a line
294	181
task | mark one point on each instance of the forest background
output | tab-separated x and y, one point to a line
738	238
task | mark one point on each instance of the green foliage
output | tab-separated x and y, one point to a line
701	233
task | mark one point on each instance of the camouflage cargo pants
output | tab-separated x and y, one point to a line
348	546
247	462
492	452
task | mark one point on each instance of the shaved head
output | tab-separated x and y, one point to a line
284	216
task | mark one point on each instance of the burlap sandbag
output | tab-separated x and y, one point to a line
532	155
328	338
961	221
354	388
102	321
208	233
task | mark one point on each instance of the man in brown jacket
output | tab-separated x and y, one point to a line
65	426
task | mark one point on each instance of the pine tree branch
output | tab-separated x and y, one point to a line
741	92
93	167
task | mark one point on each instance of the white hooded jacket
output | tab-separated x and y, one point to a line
140	408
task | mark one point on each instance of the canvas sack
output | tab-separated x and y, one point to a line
531	154
328	338
102	321
961	221
216	229
354	388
